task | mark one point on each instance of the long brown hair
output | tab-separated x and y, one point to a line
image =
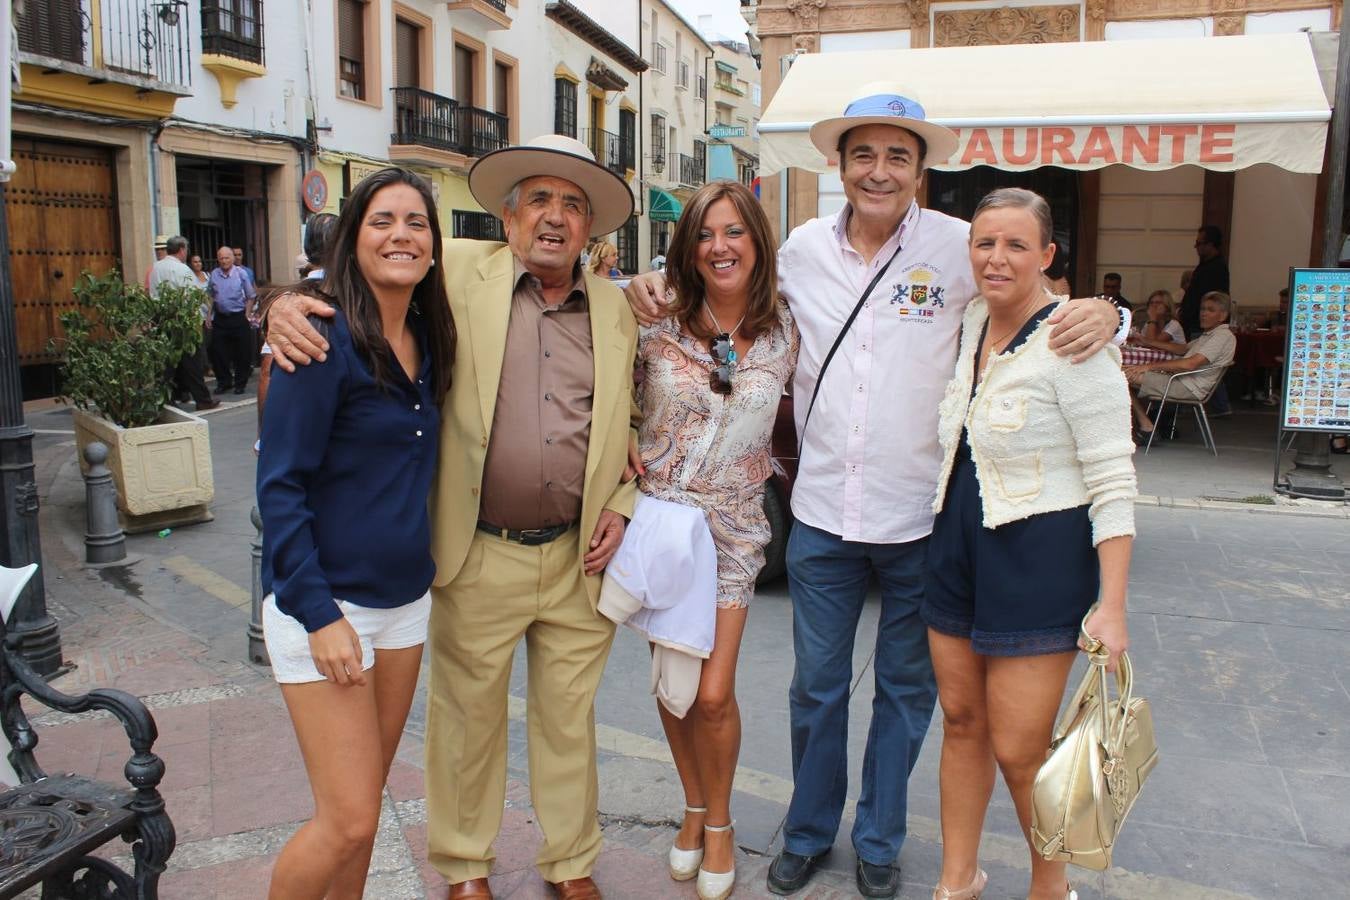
345	286
682	275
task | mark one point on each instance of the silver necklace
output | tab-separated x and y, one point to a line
731	335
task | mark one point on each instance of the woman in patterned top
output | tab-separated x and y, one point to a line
712	375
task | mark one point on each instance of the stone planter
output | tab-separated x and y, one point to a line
162	471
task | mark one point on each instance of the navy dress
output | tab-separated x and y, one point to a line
1020	589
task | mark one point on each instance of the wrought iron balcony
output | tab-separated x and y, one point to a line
233	28
430	120
608	150
139	42
686	169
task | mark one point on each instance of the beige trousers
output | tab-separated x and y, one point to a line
506	591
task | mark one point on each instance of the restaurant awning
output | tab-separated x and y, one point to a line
662	207
1223	103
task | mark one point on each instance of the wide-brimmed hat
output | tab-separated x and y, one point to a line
884	103
161	240
493	177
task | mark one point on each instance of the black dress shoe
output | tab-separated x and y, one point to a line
238	390
877	881
221	388
789	872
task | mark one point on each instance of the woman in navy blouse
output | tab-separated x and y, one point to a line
348	451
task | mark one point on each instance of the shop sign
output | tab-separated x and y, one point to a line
358	172
726	131
1141	146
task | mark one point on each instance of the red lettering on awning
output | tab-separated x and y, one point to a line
1146	148
979	150
1216	143
1057	142
1178	134
1098	146
1030	148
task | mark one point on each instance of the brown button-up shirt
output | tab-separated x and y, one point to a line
536	456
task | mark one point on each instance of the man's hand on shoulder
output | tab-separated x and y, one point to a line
292	339
646	295
1083	326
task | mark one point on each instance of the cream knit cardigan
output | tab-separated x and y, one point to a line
1045	434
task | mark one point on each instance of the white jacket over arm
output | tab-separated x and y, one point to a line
1045	434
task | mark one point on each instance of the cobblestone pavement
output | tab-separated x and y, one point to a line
1239	622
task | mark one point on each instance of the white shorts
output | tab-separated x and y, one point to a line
378	629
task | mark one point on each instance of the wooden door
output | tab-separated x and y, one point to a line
62	211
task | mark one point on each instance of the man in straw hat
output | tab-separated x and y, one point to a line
868	466
529	506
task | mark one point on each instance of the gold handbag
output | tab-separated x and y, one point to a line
1102	751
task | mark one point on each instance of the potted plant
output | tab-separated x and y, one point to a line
120	346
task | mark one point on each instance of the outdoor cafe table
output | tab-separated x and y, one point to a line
1258	350
1142	356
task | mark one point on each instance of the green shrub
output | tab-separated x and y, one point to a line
121	344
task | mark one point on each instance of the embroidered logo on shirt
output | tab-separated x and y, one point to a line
918	298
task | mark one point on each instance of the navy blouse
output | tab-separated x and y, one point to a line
344	476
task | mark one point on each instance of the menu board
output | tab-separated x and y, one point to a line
1317	367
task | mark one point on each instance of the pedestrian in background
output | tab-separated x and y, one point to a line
232	302
605	260
189	374
1036	455
345	615
713	373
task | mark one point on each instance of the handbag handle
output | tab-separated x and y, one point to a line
1098	657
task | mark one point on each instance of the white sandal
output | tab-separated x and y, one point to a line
684	864
717	885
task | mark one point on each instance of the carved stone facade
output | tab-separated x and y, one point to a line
1006	25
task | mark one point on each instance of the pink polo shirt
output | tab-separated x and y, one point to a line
870	461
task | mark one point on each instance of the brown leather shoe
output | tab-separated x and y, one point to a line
576	889
477	889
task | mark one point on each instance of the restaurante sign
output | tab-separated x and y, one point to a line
1214	146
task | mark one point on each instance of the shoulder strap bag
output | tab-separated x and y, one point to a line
839	338
1102	751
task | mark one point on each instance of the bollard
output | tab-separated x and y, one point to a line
257	650
104	541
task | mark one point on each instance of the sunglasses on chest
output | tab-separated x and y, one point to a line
723	353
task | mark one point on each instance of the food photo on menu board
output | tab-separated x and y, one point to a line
1317	384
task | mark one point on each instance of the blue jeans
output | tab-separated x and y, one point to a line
828	578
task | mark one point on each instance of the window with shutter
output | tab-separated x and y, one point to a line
628	141
658	143
352	48
51	28
565	107
407	54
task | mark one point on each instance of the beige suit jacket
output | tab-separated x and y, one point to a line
478	276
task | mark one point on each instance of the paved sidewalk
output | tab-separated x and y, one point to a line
1239	623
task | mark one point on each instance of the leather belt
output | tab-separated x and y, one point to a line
530	537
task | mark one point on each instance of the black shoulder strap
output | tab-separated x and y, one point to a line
839	338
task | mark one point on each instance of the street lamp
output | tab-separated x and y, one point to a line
29	626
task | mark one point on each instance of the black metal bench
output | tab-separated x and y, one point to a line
50	824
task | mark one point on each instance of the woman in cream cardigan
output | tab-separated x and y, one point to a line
1035	521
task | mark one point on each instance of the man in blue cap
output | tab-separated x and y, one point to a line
868	466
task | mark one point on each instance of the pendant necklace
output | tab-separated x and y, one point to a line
731	335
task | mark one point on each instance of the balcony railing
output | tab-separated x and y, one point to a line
477	225
685	169
430	120
145	39
658	59
233	28
608	149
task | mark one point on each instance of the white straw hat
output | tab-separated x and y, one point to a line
884	103
493	177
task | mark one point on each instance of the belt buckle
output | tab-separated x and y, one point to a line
533	537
